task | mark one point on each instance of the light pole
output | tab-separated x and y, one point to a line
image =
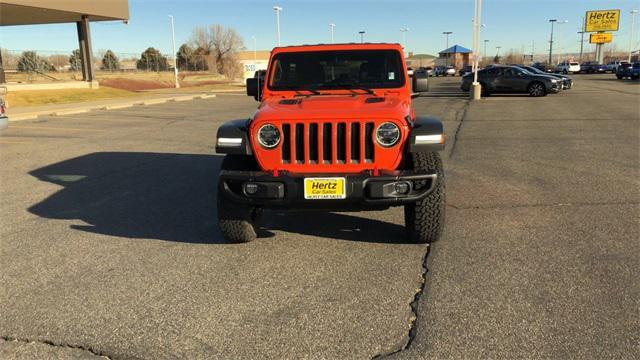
552	21
175	57
277	9
331	28
477	24
361	32
404	38
633	21
446	34
559	40
498	52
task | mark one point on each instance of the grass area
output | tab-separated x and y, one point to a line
64	96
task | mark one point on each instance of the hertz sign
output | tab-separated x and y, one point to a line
601	38
602	20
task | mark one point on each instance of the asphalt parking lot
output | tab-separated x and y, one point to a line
109	246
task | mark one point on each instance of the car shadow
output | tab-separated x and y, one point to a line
171	197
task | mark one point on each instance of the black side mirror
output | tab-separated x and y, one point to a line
254	88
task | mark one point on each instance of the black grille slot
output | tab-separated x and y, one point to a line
355	142
313	143
342	143
368	143
286	143
299	146
326	143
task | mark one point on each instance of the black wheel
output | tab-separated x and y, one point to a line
619	77
424	220
537	89
236	221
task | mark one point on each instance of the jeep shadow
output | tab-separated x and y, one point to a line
169	197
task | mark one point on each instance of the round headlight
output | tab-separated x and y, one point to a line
387	134
269	136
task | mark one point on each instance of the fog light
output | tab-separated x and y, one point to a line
402	187
250	188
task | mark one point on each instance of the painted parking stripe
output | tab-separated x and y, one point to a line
52	128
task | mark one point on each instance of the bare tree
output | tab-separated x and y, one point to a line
222	44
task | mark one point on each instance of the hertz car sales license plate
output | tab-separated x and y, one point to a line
324	188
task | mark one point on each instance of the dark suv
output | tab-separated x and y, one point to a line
512	79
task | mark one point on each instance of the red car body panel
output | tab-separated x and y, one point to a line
338	106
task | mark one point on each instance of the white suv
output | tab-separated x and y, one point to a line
567	67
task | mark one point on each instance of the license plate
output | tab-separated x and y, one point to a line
324	188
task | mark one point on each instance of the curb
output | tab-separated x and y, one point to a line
72	111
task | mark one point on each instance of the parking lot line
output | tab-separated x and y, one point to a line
53	128
5	141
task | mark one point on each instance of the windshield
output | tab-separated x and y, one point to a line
337	70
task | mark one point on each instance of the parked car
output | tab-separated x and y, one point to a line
444	71
302	152
591	67
429	70
567	67
410	71
543	67
465	70
631	71
567	82
635	71
4	120
512	79
613	66
624	71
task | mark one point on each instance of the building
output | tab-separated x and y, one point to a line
31	12
252	61
456	56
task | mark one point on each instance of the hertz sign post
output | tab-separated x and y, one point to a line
599	21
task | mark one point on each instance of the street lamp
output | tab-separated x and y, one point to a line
552	21
277	9
633	21
361	32
175	57
331	27
404	37
477	24
559	40
446	34
498	52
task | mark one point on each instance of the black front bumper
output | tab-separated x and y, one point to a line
363	190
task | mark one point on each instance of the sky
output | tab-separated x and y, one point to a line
510	24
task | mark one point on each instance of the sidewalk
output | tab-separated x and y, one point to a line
32	112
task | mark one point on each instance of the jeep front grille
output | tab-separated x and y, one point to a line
315	143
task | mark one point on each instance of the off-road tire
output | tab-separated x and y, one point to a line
236	221
424	220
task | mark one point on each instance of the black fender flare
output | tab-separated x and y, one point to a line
233	138
427	135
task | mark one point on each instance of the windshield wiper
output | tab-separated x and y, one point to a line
312	91
353	85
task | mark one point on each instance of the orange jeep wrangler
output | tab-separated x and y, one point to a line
336	131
